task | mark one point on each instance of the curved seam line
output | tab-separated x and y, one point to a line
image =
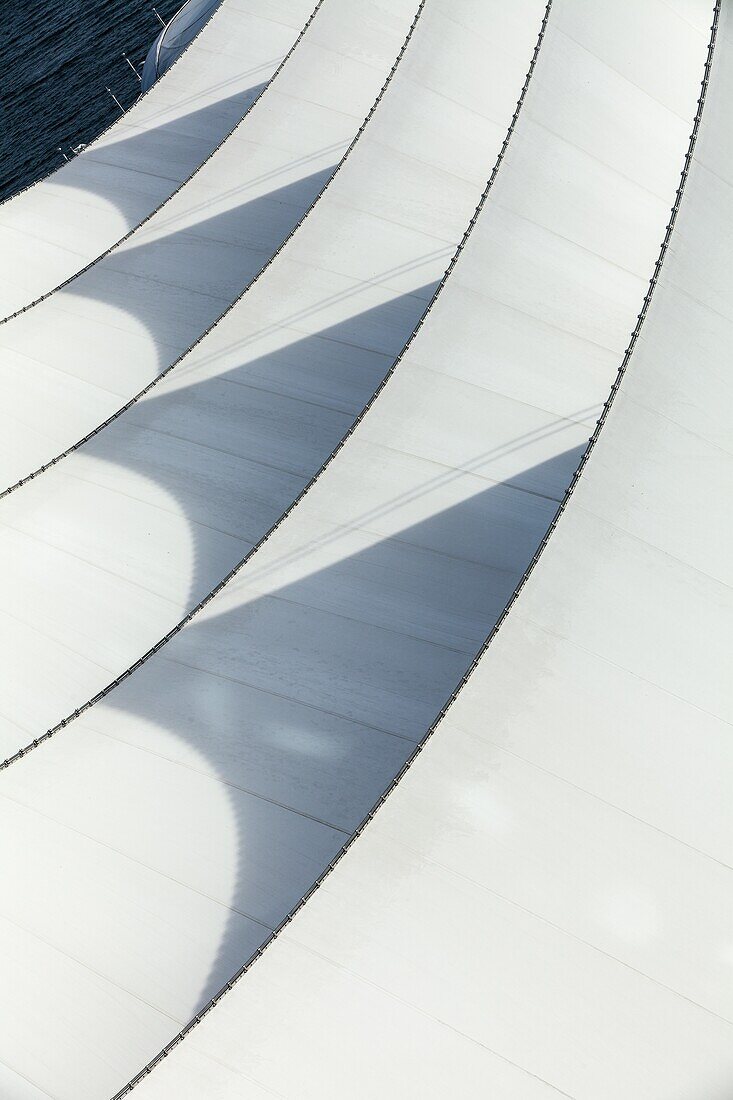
125	114
352	428
214	151
593	439
454	260
163	374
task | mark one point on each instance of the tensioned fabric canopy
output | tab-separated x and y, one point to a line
362	516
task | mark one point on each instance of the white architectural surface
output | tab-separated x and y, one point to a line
393	243
140	524
52	230
542	907
60	373
512	922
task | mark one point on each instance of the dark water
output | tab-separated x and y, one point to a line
56	56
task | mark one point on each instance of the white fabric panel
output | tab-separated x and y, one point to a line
72	360
551	879
235	763
137	526
340	301
56	227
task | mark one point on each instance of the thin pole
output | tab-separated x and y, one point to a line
127	59
160	20
115	99
63	154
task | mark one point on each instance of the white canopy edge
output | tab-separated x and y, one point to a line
78	358
221	779
141	523
55	228
159	981
541	907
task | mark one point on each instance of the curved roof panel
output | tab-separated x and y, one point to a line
55	228
164	288
540	907
346	304
184	816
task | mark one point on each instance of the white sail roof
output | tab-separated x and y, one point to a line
363	294
62	377
539	906
56	227
208	461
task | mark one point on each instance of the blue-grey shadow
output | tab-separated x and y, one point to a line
179	284
234	450
140	167
307	701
